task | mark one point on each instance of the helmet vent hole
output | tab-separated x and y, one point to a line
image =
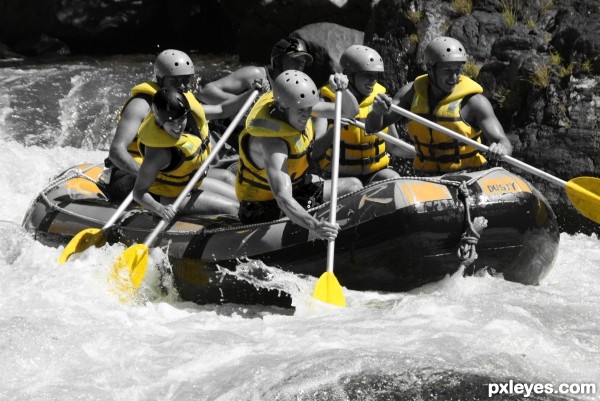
302	96
176	64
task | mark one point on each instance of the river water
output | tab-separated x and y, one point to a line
65	336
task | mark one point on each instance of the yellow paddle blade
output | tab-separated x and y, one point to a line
584	194
129	269
82	241
328	289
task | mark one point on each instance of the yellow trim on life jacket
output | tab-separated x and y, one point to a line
437	152
150	88
360	154
252	184
189	151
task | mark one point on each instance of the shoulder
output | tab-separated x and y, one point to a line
249	73
478	103
476	108
137	105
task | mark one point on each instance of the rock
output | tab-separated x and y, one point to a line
259	24
327	42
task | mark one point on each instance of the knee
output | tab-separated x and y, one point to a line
386	174
232	208
353	184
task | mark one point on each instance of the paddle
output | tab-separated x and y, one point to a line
328	288
92	236
382	135
134	260
583	192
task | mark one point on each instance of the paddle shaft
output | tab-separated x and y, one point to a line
335	167
200	173
477	145
385	137
119	211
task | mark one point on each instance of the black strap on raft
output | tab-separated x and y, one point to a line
466	249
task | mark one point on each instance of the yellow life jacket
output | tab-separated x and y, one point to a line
437	152
252	184
150	88
360	154
188	152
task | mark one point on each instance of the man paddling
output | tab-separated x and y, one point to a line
450	99
276	149
363	156
174	142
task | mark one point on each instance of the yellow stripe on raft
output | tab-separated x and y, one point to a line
421	192
502	185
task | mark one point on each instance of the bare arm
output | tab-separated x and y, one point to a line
397	150
349	102
230	107
231	85
478	111
272	154
323	138
131	119
382	116
155	159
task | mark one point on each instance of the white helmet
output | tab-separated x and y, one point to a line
361	58
295	90
444	49
172	62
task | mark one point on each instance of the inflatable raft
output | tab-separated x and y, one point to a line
395	235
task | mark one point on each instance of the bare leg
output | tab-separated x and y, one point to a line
205	202
384	174
218	187
221	174
345	186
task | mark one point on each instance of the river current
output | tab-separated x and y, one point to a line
65	336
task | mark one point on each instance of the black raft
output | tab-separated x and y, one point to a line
395	235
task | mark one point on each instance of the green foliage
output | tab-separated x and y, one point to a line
530	24
568	70
471	69
555	58
508	99
414	15
540	78
414	38
587	66
547	5
463	7
509	11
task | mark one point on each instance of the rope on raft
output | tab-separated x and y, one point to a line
467	252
